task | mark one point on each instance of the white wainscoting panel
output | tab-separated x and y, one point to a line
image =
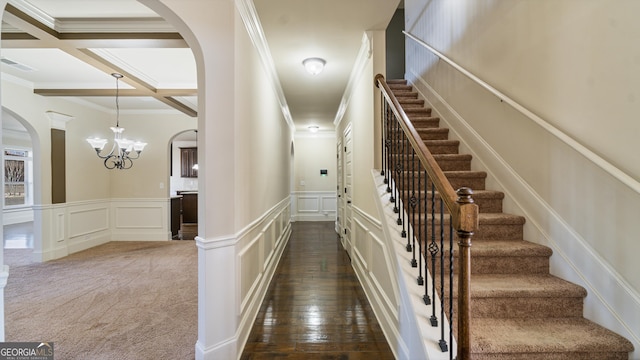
261	245
140	219
314	205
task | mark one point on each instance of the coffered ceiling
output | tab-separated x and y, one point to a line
70	47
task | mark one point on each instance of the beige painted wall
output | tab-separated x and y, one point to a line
87	178
575	64
149	176
361	114
263	138
312	153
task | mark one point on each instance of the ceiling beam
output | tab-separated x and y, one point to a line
111	92
50	38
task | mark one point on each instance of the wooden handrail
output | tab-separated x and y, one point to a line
465	217
463	210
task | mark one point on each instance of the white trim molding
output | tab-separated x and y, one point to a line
314	205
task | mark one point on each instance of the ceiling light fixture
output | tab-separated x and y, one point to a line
314	66
314	128
119	156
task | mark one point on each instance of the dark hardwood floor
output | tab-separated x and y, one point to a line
315	307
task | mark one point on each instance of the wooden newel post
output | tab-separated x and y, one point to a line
468	223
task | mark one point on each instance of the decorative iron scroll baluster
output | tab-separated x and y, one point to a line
433	250
413	176
442	342
412	203
403	181
424	239
450	284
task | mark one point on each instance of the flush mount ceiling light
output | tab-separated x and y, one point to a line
314	66
120	156
314	128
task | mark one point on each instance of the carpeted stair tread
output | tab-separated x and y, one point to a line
523	285
458	157
421	120
526	338
511	248
519	311
477	194
486	219
410	101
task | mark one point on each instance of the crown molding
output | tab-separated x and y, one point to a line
251	21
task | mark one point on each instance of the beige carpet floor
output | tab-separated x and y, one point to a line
120	300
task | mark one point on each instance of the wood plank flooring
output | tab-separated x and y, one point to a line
315	307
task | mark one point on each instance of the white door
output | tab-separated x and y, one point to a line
348	188
339	191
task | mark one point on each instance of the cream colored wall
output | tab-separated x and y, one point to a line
263	138
149	176
574	63
312	153
362	115
20	100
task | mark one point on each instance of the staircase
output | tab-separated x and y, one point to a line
518	309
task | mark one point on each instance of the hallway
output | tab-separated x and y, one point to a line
315	307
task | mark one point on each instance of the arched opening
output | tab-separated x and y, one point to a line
183	185
21	184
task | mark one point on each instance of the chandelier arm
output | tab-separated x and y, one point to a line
113	163
127	163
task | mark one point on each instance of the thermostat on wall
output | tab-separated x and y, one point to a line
323	172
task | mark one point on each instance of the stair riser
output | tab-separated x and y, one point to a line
472	183
443	149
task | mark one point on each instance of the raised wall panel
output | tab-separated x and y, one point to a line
139	217
88	221
250	264
314	205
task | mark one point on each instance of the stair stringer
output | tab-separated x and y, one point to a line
617	308
417	339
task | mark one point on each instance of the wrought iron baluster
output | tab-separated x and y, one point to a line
442	342
383	117
404	175
433	250
394	156
424	231
387	143
413	200
451	284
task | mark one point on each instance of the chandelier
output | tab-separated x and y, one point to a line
120	156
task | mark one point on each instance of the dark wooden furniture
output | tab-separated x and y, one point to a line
175	216
188	228
189	206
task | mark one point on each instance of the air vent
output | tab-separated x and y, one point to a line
16	65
